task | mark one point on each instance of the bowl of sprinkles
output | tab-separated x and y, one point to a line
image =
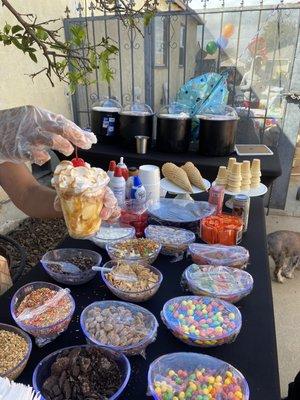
42	309
195	376
226	283
15	350
145	250
202	321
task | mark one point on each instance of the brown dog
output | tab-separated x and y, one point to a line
284	248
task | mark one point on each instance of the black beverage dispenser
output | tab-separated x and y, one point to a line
105	120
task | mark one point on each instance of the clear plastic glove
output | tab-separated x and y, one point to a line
110	210
28	132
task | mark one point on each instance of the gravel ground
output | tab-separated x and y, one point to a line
37	237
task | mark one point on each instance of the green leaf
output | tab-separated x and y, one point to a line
7	28
16	43
6	42
41	33
33	57
148	15
16	28
78	34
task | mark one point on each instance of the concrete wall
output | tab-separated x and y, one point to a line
16	87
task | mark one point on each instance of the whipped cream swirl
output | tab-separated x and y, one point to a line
85	180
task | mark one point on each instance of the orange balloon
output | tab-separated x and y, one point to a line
228	30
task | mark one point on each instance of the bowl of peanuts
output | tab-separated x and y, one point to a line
124	327
42	309
133	281
15	351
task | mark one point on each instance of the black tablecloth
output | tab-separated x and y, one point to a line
100	155
253	353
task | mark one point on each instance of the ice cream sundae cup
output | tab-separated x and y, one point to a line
81	192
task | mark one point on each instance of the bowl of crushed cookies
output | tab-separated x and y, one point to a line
123	327
131	280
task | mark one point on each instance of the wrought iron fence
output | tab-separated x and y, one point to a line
261	58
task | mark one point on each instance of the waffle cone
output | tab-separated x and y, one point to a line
177	176
194	175
5	278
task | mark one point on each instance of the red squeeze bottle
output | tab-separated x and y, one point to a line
111	169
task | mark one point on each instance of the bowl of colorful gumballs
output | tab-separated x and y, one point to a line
15	350
195	376
202	321
42	309
226	283
71	266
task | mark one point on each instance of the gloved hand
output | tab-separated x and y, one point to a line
28	132
110	210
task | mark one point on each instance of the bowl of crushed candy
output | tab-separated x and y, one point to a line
143	250
13	364
68	364
195	376
71	266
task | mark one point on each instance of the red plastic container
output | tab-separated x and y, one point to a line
134	213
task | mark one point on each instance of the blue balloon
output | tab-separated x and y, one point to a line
222	42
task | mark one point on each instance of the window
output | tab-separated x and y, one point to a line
182	45
161	42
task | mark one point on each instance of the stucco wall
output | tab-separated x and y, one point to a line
16	87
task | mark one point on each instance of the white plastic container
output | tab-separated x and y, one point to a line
118	185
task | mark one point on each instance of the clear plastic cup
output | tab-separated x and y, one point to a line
82	212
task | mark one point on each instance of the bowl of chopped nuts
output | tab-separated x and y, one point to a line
120	326
100	372
71	266
146	250
131	280
15	350
42	309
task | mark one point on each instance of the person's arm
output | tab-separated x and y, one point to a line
26	193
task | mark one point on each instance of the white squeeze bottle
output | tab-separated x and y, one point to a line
118	185
124	168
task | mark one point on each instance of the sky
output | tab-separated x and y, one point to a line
235	3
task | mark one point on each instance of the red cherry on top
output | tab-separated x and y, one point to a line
78	162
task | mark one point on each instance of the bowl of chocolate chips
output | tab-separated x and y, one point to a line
71	266
80	373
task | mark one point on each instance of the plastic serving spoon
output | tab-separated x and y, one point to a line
118	276
66	267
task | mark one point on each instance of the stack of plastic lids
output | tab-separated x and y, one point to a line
180	213
226	283
228	256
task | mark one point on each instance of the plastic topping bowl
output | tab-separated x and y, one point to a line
173	240
57	264
134	250
226	283
42	309
228	256
202	321
123	327
110	233
196	377
113	372
15	351
132	280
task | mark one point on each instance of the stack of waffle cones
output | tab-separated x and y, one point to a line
234	180
221	179
246	176
184	176
5	278
256	173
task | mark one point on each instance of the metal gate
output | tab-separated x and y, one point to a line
261	57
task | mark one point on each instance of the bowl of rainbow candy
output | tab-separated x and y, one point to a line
195	376
202	321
